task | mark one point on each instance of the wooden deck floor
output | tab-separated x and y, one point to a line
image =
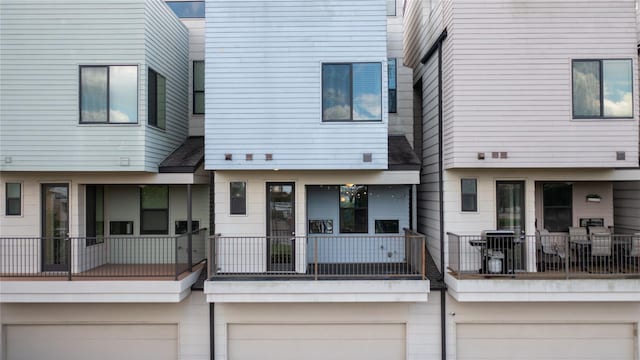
114	272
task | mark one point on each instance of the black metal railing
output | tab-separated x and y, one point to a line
593	255
100	257
318	256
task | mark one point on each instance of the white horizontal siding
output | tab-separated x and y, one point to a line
512	83
167	51
626	207
263	83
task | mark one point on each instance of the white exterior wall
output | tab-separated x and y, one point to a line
503	44
167	52
421	320
41	49
263	83
537	313
190	315
626	201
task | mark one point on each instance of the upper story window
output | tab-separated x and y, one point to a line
13	205
352	92
602	89
109	94
187	9
198	87
391	7
393	86
157	97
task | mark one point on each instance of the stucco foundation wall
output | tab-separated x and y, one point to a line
191	315
537	313
422	320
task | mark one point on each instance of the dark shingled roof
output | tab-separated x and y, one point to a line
186	158
401	155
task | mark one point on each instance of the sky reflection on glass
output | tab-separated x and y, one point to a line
123	94
586	88
352	92
187	9
367	92
617	88
93	92
336	92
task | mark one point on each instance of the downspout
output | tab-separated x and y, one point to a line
437	46
212	347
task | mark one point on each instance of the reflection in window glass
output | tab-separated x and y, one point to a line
154	208
14	203
123	94
617	88
198	87
354	209
352	92
238	198
392	86
336	92
602	88
187	9
469	194
93	94
557	199
157	98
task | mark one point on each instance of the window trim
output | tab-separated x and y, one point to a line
142	209
245	198
351	120
601	68
154	124
475	196
193	87
108	122
6	199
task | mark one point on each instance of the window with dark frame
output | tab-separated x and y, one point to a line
352	92
238	198
354	209
557	200
13	203
157	98
154	210
469	197
198	87
108	94
94	214
187	9
387	226
182	225
602	88
393	91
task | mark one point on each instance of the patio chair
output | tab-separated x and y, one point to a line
552	248
633	256
579	246
600	246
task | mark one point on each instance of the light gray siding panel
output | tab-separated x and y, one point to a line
41	47
263	83
167	51
626	206
499	45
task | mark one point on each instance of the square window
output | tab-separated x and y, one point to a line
238	198
352	92
469	194
109	94
13	204
602	88
157	97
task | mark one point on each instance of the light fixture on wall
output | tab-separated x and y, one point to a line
593	198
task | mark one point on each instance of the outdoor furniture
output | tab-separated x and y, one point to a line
579	242
498	256
552	248
633	256
600	238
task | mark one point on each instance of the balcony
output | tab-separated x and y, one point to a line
318	268
65	269
494	266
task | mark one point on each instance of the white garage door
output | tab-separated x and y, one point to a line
316	341
95	342
545	341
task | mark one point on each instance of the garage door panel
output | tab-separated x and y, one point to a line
316	341
545	341
97	342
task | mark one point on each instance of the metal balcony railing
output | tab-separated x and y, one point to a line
102	257
595	255
317	257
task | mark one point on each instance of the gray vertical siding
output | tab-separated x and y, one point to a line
626	206
167	52
263	83
42	45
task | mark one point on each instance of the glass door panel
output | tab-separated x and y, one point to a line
510	215
55	227
280	226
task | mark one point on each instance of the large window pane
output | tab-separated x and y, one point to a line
353	209
557	201
586	88
198	87
469	195
94	214
336	92
238	198
93	94
154	204
187	9
14	199
123	94
367	91
617	75
392	86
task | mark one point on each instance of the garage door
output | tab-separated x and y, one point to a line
316	341
545	341
96	342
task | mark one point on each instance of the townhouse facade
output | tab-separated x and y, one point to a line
529	179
